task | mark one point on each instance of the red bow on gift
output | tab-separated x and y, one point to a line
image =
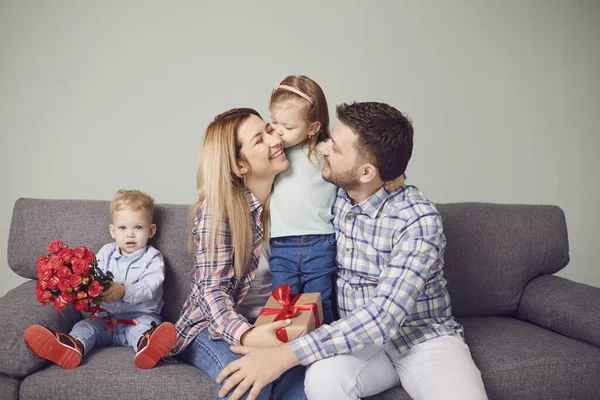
289	310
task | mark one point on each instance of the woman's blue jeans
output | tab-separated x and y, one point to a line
211	356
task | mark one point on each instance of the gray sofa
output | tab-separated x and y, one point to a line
533	335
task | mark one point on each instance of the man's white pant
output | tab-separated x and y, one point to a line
440	368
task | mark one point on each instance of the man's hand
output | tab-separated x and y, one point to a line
115	292
257	368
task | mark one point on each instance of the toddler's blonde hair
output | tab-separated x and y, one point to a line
132	200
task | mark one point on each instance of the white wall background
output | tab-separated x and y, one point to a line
505	95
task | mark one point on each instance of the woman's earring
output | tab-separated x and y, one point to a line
245	180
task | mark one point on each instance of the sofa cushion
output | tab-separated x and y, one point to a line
519	360
493	250
18	310
111	370
9	387
166	380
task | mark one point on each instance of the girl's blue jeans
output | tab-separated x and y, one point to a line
307	264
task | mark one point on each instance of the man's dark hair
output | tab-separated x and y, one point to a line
385	135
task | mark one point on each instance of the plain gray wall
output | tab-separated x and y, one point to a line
505	95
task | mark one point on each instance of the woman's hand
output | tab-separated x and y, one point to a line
263	335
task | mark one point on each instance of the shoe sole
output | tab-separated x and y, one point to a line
45	345
160	343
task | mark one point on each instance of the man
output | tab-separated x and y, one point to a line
396	324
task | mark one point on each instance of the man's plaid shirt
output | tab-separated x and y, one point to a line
390	283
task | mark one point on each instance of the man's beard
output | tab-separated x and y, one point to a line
346	180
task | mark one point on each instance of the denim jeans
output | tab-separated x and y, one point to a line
307	264
211	356
95	333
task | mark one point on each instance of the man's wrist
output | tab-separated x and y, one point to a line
289	356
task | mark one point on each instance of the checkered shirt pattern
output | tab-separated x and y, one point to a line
390	284
216	291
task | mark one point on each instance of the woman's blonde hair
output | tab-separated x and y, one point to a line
223	190
315	110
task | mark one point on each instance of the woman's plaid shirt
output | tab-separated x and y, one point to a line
216	290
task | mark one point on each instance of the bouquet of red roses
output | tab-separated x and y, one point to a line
70	276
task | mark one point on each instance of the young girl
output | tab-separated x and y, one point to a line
303	246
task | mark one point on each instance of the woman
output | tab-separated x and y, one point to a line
240	158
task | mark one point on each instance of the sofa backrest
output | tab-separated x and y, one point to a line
85	223
493	250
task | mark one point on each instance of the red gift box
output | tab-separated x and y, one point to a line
303	309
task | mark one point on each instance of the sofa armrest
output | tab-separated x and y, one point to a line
563	306
18	310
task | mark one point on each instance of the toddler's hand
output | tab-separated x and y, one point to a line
115	292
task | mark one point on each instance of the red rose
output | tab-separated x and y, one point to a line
45	274
41	285
42	262
53	282
89	256
60	303
55	246
69	296
42	266
81	304
55	262
95	289
44	297
64	285
44	271
75	280
63	272
66	255
79	252
80	267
